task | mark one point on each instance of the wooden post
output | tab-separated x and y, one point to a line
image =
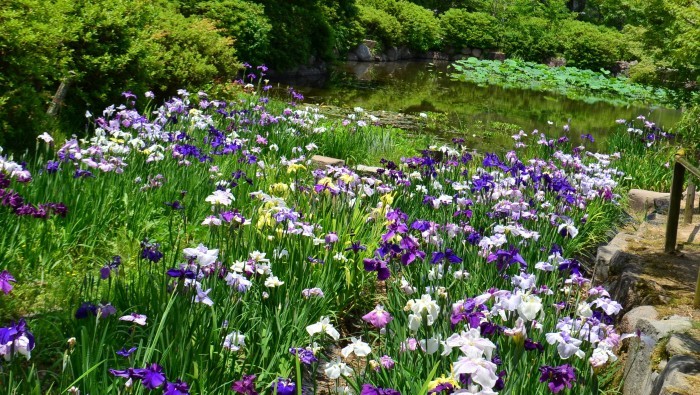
60	96
696	301
689	203
675	207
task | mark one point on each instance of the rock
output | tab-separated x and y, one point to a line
658	329
323	161
405	53
370	44
642	200
629	320
476	52
676	378
612	257
369	170
459	56
392	54
634	289
638	368
682	344
352	57
495	55
363	53
466	51
556	61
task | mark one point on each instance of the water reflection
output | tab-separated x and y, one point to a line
414	87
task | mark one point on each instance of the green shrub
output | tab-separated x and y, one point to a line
421	29
468	29
244	22
587	46
187	53
32	63
529	38
380	25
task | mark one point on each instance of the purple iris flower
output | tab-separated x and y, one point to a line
113	265
150	251
86	309
285	386
572	265
152	377
306	357
245	386
79	173
442	388
175	205
531	345
125	353
558	377
356	247
505	258
379	266
178	387
16	330
181	273
52	166
447	256
368	389
5	280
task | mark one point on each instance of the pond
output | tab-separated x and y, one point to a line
485	115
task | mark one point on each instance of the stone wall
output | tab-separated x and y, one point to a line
369	51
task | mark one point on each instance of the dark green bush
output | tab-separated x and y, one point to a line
32	63
588	46
529	38
468	29
421	29
244	22
187	53
381	26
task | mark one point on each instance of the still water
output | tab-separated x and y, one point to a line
463	108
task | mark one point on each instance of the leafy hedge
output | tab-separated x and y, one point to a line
469	29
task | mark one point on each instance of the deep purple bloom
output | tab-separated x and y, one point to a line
531	345
447	256
285	386
505	258
356	247
86	309
181	273
175	205
442	388
368	389
379	266
113	265
245	386
558	377
16	330
150	251
125	353
5	280
306	357
152	376
178	387
572	265
52	166
80	173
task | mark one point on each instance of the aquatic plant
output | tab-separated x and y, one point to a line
571	82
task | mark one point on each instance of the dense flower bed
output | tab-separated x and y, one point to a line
242	268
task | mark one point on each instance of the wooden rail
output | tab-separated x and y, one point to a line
674	210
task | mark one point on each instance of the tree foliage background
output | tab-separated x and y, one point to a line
109	46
